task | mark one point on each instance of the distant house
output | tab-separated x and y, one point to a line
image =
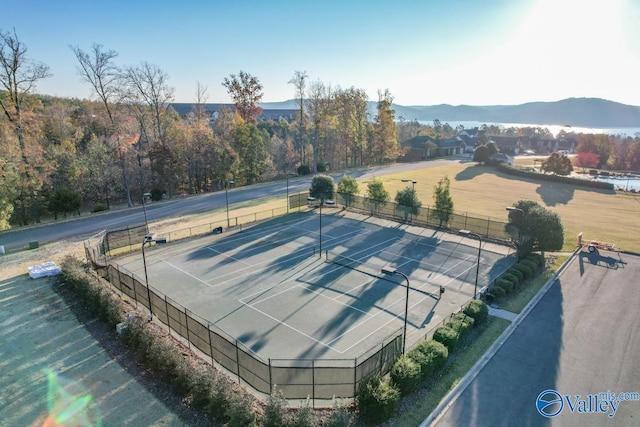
417	148
510	144
450	147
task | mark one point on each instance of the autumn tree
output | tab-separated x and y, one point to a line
98	68
592	143
384	146
19	76
557	163
347	188
587	160
320	109
246	92
299	81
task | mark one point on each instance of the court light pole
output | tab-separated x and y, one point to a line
389	270
148	238
144	209
413	187
477	236
226	196
524	220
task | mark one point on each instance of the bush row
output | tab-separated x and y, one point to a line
199	383
555	178
515	276
379	397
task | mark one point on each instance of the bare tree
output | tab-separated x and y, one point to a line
299	81
320	108
148	83
246	92
98	68
18	77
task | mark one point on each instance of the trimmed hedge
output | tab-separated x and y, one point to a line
516	273
477	310
461	323
377	400
531	264
406	374
537	258
431	355
506	285
511	278
526	270
554	178
447	336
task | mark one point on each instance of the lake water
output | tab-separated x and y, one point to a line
554	129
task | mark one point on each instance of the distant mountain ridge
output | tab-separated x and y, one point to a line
581	112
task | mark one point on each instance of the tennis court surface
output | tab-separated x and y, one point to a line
273	288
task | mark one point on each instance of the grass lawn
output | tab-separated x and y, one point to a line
602	215
466	358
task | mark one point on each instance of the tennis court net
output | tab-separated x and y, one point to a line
370	268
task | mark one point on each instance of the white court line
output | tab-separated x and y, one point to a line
293	329
227	256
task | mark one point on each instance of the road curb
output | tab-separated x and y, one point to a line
453	395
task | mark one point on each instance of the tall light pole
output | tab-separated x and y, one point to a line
389	270
524	220
477	236
144	209
146	240
226	196
413	187
290	174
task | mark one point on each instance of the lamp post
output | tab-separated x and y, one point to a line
144	209
226	196
290	174
477	236
389	270
146	240
524	220
413	187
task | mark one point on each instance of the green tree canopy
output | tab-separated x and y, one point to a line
65	201
321	188
557	163
407	200
347	188
535	228
443	202
481	154
377	194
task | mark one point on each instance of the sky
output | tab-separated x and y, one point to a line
425	52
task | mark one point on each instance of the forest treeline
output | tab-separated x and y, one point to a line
60	154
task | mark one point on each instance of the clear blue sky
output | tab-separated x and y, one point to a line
424	51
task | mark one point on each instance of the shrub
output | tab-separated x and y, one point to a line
432	355
275	411
506	285
340	415
321	167
461	323
537	258
496	292
405	374
447	336
531	264
512	278
526	270
477	310
99	207
304	170
516	273
377	400
156	194
304	416
240	412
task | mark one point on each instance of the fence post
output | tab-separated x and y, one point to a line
186	325
166	309
238	361
488	224
355	377
313	383
210	342
270	377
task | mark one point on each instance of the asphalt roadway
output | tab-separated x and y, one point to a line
19	238
581	339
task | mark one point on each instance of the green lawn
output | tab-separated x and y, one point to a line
602	215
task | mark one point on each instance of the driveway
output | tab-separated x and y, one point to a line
581	341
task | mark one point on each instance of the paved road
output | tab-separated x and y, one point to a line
582	338
87	226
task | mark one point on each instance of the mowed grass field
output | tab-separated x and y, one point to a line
603	215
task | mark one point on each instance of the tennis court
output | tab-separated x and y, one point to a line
273	289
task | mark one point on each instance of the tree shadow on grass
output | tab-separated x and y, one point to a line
473	171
